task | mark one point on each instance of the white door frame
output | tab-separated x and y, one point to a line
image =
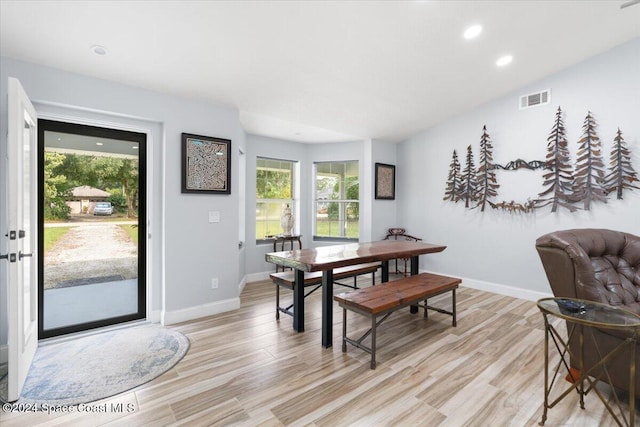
155	220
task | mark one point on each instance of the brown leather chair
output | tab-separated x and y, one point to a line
596	265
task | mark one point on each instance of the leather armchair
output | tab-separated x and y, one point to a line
596	265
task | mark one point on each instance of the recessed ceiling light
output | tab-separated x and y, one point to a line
99	143
472	32
99	50
504	60
135	147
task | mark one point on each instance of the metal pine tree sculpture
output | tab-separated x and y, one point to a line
468	189
558	180
589	184
452	192
486	179
621	175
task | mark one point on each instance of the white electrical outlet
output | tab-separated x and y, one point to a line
214	283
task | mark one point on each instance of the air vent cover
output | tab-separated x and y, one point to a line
535	99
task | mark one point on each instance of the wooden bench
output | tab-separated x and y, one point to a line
286	280
388	297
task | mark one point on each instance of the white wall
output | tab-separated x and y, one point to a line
496	250
190	251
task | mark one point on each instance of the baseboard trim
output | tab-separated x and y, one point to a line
198	311
257	277
4	354
242	284
496	288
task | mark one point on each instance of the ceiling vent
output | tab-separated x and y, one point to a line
535	99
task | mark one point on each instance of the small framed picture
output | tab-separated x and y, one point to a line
385	182
206	164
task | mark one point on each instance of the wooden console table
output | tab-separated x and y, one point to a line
327	258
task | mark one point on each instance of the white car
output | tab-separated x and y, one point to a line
103	208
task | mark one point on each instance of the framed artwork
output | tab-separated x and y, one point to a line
206	164
385	181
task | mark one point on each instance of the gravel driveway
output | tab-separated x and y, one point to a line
91	253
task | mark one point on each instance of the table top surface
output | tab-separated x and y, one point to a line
589	313
330	257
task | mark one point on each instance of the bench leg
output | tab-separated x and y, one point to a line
373	278
277	302
344	330
373	342
426	312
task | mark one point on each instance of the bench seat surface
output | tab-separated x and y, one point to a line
388	295
287	278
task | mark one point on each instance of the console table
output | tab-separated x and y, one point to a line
581	315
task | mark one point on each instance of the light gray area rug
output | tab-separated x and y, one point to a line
97	366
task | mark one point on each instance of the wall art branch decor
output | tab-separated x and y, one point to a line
621	175
385	187
559	179
453	190
522	164
469	187
562	187
589	174
206	164
486	179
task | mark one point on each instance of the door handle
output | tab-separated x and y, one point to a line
21	255
5	256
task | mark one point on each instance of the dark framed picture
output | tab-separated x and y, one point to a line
206	164
385	182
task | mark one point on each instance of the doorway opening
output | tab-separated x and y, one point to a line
92	223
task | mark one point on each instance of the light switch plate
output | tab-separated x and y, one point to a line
214	216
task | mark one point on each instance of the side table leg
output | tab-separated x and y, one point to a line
546	371
632	384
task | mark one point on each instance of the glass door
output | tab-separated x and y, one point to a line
92	219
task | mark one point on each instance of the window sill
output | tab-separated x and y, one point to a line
335	239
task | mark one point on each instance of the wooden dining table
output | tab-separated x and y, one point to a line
327	258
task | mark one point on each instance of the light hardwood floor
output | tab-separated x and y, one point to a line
245	368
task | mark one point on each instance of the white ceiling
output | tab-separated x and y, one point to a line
319	71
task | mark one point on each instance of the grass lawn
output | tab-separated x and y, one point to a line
52	235
132	231
325	228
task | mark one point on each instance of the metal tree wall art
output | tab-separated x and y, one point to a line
469	187
589	174
486	179
452	192
621	175
558	180
561	188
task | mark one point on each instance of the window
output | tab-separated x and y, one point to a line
275	188
337	200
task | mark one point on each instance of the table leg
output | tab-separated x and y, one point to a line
414	270
298	302
385	272
546	371
632	384
414	265
327	308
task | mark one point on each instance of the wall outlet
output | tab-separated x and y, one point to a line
214	283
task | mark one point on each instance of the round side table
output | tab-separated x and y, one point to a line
579	314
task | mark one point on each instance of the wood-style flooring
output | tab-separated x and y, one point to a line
244	368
